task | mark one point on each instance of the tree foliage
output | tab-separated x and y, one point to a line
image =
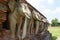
55	22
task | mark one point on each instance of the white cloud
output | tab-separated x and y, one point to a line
42	5
34	3
47	11
50	11
57	10
50	1
51	14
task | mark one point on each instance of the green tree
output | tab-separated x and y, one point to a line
54	22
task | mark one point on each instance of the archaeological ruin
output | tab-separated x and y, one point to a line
19	20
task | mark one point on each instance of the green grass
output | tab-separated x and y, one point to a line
55	32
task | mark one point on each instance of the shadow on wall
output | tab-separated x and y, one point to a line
53	38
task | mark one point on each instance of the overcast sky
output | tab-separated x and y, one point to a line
49	8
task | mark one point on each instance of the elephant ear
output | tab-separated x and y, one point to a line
12	4
39	16
35	15
44	20
26	10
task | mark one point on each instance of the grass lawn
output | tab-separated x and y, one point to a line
55	32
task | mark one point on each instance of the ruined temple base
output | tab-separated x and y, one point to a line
39	36
5	35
